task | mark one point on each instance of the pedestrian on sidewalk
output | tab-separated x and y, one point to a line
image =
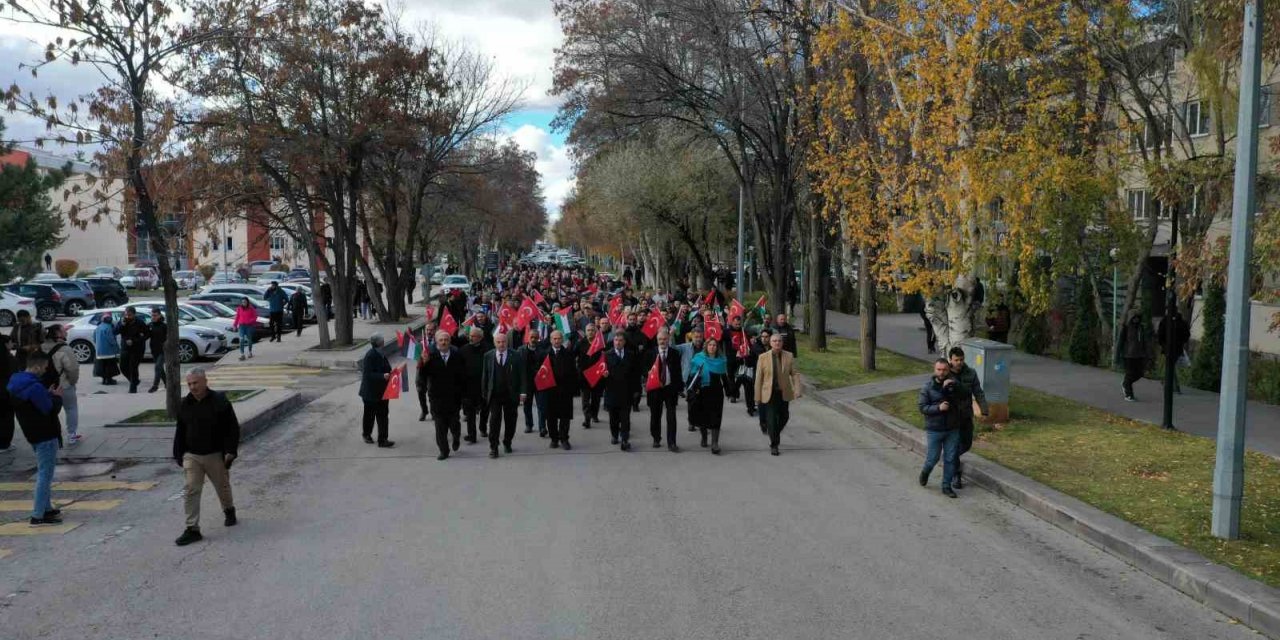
133	345
687	352
707	404
447	376
106	351
36	407
63	372
1135	350
503	381
7	369
1175	324
590	396
205	444
276	300
776	386
782	327
26	336
375	371
968	390
298	307
937	402
245	322
159	331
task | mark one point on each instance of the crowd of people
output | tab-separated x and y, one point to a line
555	344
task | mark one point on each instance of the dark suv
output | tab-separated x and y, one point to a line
77	295
48	300
108	292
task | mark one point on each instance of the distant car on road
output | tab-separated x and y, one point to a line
261	266
188	279
455	282
140	278
267	277
11	304
229	277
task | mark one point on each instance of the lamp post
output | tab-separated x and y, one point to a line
737	279
1115	295
1171	307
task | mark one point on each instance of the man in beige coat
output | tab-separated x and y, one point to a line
776	386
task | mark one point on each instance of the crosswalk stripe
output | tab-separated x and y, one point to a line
100	485
25	529
69	505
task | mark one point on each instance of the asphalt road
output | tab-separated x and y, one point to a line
338	539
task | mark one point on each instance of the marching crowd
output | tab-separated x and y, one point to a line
547	343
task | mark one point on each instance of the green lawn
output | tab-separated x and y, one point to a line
1161	481
840	365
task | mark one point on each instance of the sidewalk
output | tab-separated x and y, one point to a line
1195	411
349	359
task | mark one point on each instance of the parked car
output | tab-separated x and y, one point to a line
228	277
233	300
267	277
107	292
299	272
11	304
140	278
77	295
290	287
194	341
188	279
261	330
108	272
251	290
44	277
261	266
455	282
48	300
195	316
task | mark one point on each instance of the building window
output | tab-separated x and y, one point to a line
1163	211
277	243
213	242
1139	203
230	245
1148	137
1195	117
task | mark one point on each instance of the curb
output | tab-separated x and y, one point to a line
352	364
261	422
1244	599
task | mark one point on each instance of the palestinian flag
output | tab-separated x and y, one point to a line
415	350
561	319
761	306
465	329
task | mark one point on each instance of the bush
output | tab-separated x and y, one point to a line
1083	347
887	301
207	271
1264	379
66	268
1206	367
1035	335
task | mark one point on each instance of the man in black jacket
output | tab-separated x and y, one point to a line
36	408
590	396
1174	323
473	404
662	401
782	327
205	444
620	383
133	345
375	371
156	332
446	378
560	397
937	401
503	383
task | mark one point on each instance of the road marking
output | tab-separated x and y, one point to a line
100	485
25	529
70	505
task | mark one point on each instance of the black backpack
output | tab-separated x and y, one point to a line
51	375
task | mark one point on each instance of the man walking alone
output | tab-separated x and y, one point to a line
204	445
276	299
375	371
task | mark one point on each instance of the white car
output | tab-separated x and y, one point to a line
455	282
194	341
45	277
11	304
261	266
188	279
194	315
141	278
267	277
250	290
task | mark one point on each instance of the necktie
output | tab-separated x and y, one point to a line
662	368
502	359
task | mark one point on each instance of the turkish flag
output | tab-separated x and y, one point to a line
711	298
527	313
654	381
597	345
431	313
739	341
653	323
393	386
736	309
714	330
537	297
399	339
448	324
615	304
595	371
506	315
544	379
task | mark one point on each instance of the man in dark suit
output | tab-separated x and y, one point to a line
620	383
590	396
375	370
532	354
473	404
446	378
503	384
662	401
560	397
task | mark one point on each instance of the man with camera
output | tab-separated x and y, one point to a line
939	402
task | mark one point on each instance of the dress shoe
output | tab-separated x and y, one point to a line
152	389
555	444
924	478
949	493
188	536
493	453
368	440
542	433
422	417
673	448
751	412
657	443
566	446
613	440
229	517
456	444
506	448
586	424
773	451
626	446
470	439
386	445
48	518
715	449
528	429
443	456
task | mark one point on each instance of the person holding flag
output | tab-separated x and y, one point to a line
586	352
662	387
710	377
560	397
420	379
736	347
622	379
503	385
446	380
375	373
532	353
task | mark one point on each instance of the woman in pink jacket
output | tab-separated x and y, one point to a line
246	321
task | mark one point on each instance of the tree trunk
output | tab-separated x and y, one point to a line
867	303
819	266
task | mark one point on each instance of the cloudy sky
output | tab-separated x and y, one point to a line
520	35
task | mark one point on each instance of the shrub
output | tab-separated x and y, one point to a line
66	268
208	271
1206	367
1264	379
1083	347
1035	335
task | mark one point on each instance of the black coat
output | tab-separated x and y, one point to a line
133	337
157	332
446	381
1181	334
515	371
564	367
788	333
372	368
675	377
206	426
623	380
932	395
473	357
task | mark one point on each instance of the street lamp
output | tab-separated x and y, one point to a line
1115	295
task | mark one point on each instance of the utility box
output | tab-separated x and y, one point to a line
992	360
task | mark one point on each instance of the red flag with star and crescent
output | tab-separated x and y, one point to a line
597	345
528	313
653	323
739	341
537	297
654	380
714	330
506	315
736	309
393	386
448	324
614	304
595	371
544	379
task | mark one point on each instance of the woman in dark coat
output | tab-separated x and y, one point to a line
1135	349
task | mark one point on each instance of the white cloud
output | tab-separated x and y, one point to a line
554	164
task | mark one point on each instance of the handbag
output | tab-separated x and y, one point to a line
694	388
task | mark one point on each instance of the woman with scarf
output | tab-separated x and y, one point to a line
106	348
710	379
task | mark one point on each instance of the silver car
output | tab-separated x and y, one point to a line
194	315
194	341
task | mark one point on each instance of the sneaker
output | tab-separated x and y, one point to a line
1130	399
49	518
74	439
188	536
949	493
924	478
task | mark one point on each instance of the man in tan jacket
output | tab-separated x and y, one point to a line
776	386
